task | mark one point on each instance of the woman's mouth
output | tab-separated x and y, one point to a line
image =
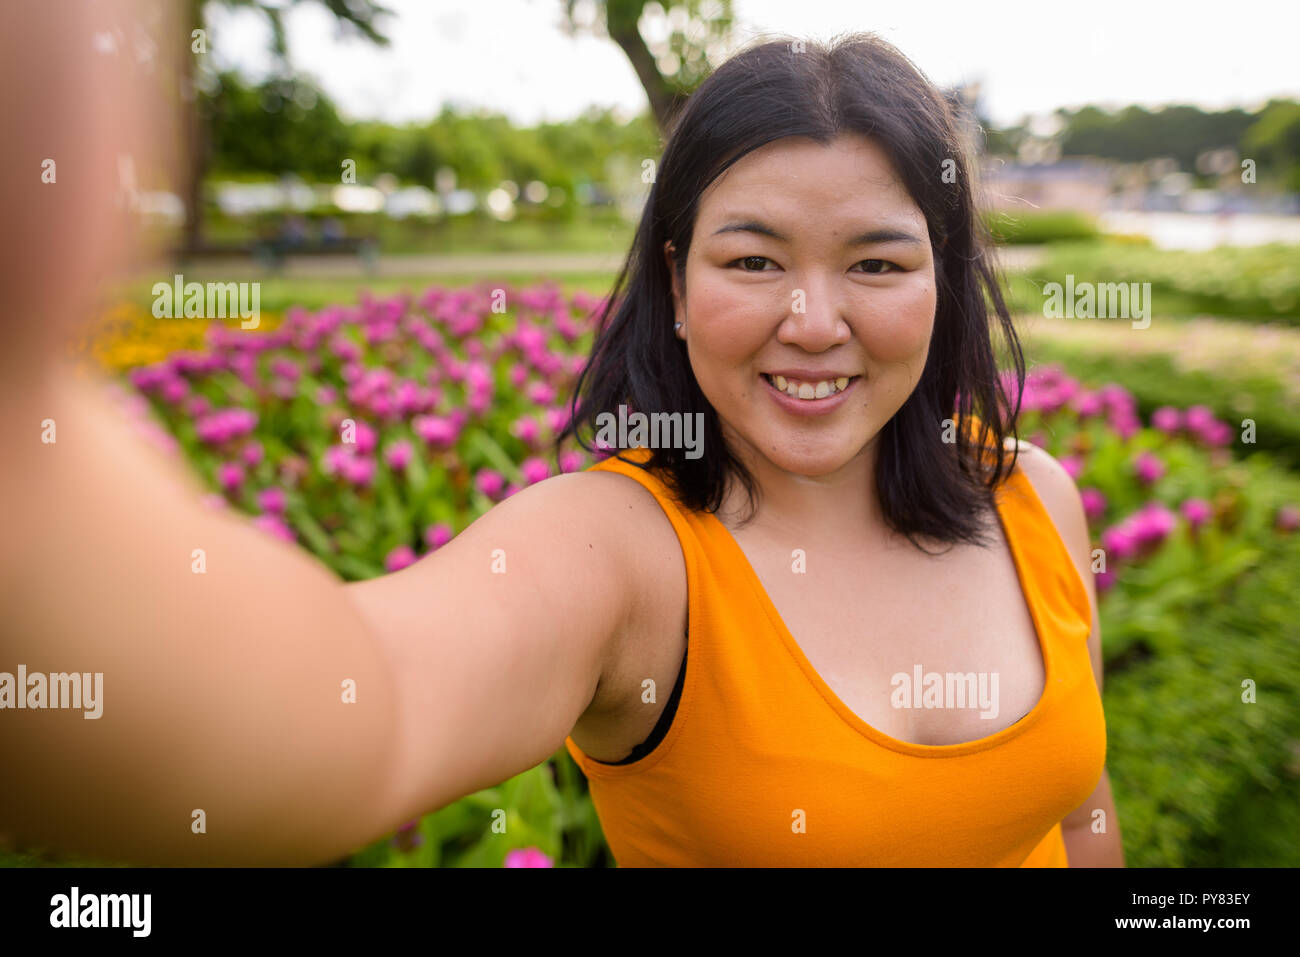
806	391
809	396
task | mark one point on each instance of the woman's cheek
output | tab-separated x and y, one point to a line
729	322
899	326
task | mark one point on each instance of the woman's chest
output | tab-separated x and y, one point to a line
927	650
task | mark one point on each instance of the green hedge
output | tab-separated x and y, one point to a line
1035	227
1258	282
1200	778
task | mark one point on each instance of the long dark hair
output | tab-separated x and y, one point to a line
930	484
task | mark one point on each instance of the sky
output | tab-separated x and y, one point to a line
1029	56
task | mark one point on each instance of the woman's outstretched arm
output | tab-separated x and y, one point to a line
295	716
252	707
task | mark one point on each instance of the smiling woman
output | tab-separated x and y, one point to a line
810	278
807	283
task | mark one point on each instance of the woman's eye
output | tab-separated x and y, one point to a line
873	266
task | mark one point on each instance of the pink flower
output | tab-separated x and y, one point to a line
365	438
1119	543
358	471
252	453
285	369
345	348
230	475
1198	417
490	482
527	857
534	470
333	459
570	461
173	390
1167	419
276	526
271	499
526	429
1105	581
541	393
1216	434
1148	468
557	419
398	455
1073	466
1088	404
1152	524
1125	424
1197	511
399	558
224	425
438	432
436	536
1094	503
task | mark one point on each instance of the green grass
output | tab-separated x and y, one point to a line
1040	226
599	230
278	293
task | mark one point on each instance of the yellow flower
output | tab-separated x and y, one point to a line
127	335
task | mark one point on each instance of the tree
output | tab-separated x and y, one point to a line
670	67
284	125
1274	140
355	15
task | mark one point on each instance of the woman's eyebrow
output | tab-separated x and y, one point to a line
870	237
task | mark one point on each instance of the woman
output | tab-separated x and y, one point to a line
807	277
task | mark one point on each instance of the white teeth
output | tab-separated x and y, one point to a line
810	390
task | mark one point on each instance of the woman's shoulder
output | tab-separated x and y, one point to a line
1059	494
629	511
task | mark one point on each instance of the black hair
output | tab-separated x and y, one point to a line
855	84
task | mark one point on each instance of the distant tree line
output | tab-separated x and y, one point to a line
1270	136
290	126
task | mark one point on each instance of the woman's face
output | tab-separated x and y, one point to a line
809	265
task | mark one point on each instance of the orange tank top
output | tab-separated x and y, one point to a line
764	765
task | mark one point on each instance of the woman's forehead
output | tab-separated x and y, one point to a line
852	173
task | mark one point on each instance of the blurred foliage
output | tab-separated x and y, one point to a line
1246	282
297	130
1039	226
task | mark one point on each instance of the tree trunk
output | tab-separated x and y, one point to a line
197	142
621	23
